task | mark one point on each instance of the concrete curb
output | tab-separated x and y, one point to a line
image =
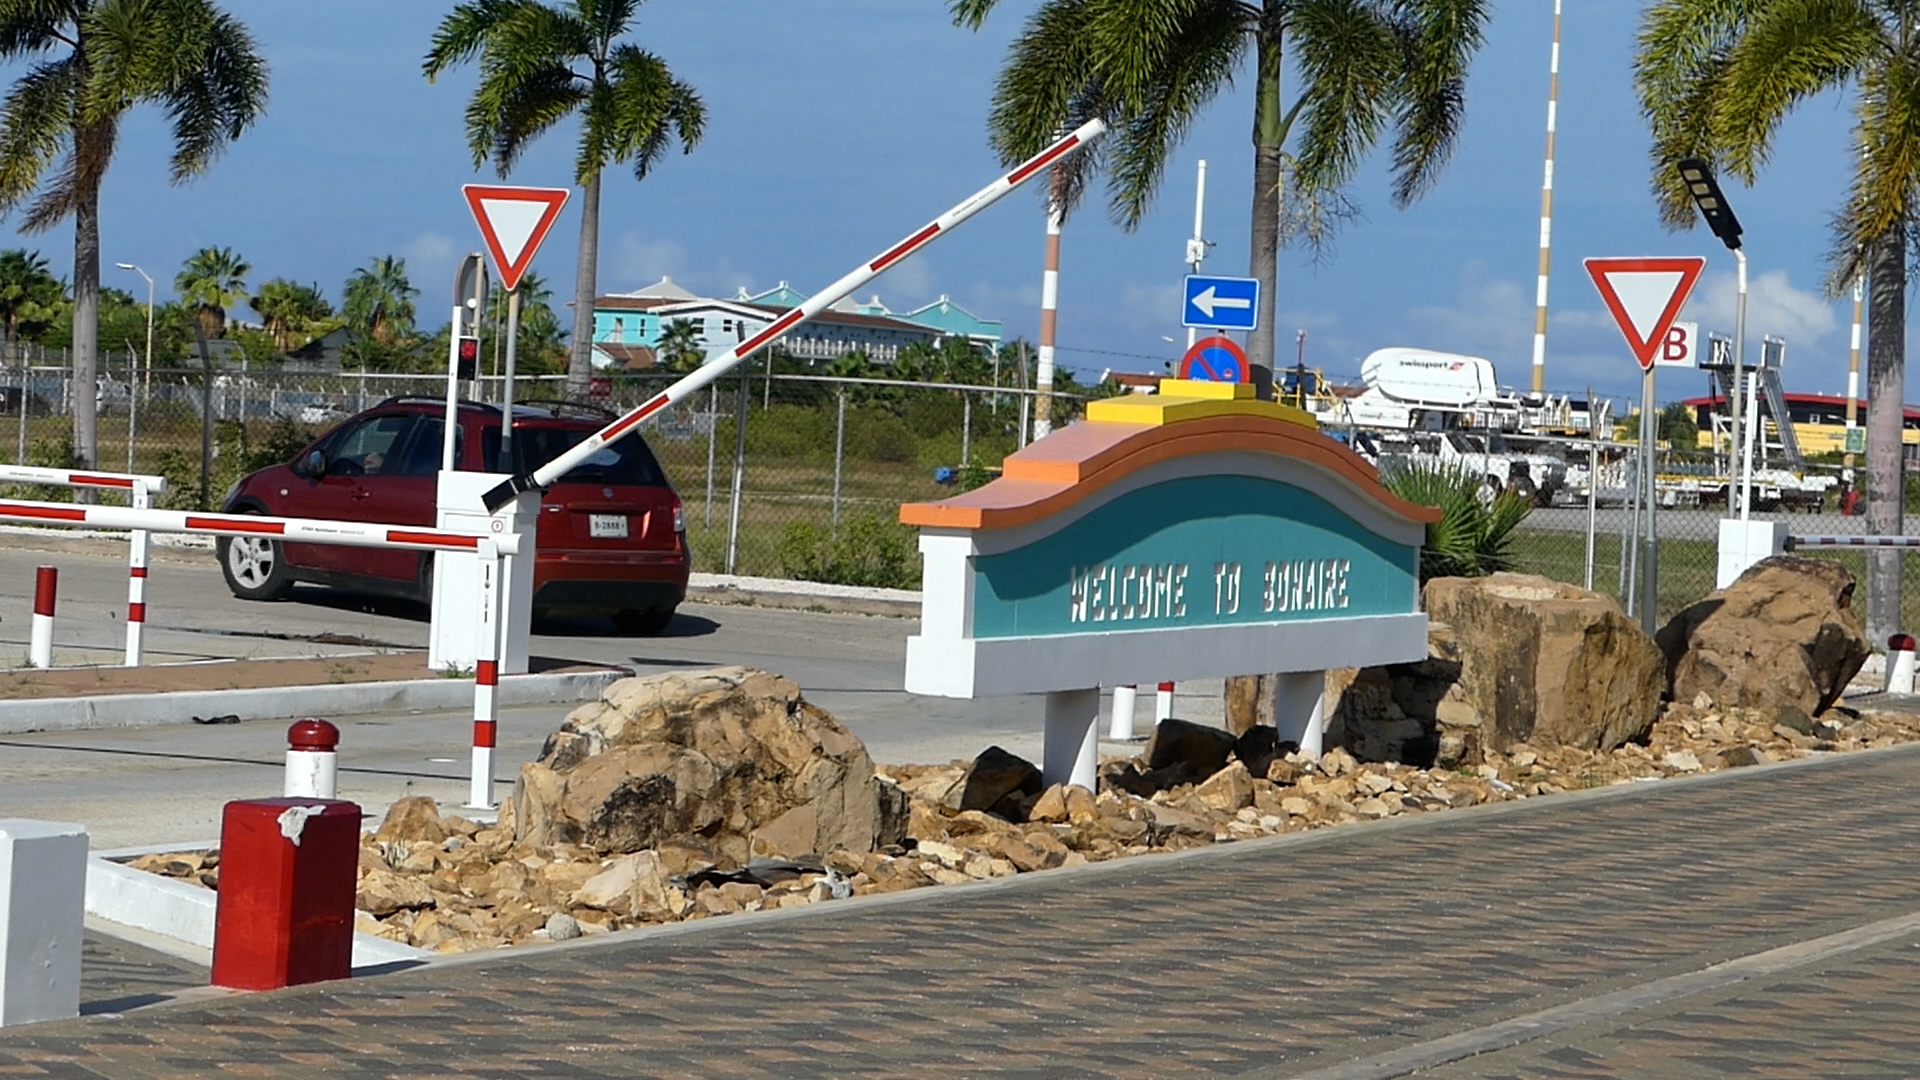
801	595
283	702
184	914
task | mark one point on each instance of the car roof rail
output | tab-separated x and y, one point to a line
560	407
428	399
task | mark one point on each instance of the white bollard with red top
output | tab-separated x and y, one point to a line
312	760
46	582
1900	664
1163	703
1120	728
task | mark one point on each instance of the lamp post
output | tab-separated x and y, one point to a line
1698	176
146	359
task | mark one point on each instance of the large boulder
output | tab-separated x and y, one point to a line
1783	634
730	760
1546	663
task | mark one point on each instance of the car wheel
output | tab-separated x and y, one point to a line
255	567
649	622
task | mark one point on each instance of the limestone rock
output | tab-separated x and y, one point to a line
709	756
1051	806
382	892
1548	664
412	819
1229	790
993	776
1783	634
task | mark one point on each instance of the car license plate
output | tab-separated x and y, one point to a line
607	526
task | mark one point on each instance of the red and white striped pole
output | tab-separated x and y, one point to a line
312	760
713	369
1900	664
486	681
137	583
46	582
1163	703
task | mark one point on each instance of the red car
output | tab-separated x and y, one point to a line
611	539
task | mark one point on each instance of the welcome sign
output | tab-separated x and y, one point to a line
1195	533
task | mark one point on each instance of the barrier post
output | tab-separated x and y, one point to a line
46	583
312	763
288	871
486	679
1163	703
137	581
1120	728
43	882
1900	664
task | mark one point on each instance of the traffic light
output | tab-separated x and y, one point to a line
469	357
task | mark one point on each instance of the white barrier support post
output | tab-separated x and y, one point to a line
1120	729
46	583
486	679
1163	703
1900	664
312	760
1070	754
137	582
43	884
1299	709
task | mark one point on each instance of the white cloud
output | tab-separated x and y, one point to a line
1774	307
1490	317
432	259
908	283
635	262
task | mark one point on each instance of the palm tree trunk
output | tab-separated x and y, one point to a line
585	281
1268	136
1886	409
86	330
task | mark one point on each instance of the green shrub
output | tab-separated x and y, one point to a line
1474	536
867	550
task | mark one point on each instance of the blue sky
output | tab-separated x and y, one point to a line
837	126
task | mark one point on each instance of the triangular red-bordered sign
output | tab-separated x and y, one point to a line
513	221
1645	297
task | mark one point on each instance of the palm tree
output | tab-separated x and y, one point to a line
680	348
1715	82
30	296
1474	536
89	63
288	308
540	63
210	280
378	300
1149	67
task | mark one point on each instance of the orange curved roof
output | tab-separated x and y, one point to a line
1073	463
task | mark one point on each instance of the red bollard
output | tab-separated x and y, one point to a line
288	873
46	584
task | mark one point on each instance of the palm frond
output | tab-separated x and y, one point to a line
217	100
1135	41
1439	39
79	173
29	27
970	13
1350	58
464	33
1199	66
1791	50
507	118
1885	193
1474	535
1679	71
35	127
607	18
637	114
1049	67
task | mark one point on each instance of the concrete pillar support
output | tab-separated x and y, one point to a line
43	885
1070	754
1299	706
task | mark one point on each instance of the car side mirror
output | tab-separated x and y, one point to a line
314	464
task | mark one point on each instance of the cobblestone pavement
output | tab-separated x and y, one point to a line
116	975
1269	958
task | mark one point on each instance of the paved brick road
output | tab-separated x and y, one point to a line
1269	958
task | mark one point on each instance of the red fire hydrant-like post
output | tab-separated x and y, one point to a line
288	870
312	763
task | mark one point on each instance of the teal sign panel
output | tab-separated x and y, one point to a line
1202	551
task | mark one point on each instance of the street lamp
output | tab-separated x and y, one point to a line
146	387
1698	176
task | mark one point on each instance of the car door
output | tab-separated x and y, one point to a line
404	494
359	462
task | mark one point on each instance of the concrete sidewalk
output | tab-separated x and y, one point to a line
1758	921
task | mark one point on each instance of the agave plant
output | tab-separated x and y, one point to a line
1474	536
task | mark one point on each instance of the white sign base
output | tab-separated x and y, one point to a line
454	640
43	882
1743	543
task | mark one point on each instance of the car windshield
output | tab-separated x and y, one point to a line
624	461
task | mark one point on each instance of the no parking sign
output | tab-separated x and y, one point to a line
1214	359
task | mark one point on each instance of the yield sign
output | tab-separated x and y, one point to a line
1645	296
513	222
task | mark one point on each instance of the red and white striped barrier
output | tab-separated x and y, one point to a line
1163	703
1900	664
312	760
46	584
140	488
489	549
712	370
1794	542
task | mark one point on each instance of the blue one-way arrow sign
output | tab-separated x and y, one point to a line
1221	303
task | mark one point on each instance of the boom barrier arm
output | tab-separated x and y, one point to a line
34	474
305	530
544	477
